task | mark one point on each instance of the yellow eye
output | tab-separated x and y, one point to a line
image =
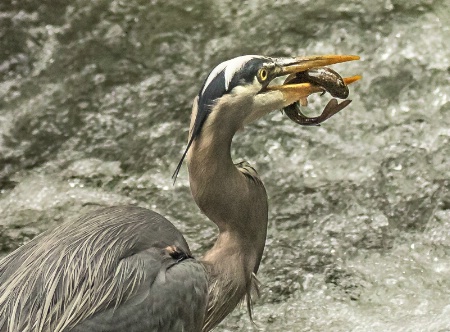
263	74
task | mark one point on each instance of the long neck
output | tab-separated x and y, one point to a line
236	202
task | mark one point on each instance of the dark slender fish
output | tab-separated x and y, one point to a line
294	113
331	82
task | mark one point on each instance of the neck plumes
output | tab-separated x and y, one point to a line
236	201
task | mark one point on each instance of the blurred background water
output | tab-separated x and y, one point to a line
95	100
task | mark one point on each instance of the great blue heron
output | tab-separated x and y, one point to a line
128	268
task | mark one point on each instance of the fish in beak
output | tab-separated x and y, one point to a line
308	75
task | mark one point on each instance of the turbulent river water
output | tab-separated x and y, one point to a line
95	100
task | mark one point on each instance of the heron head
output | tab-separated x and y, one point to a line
241	90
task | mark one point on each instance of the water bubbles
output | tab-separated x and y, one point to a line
75	183
99	79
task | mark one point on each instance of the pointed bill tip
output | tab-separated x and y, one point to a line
351	79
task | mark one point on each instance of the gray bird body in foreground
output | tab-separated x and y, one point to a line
128	269
89	266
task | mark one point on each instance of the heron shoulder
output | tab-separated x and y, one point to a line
183	288
249	172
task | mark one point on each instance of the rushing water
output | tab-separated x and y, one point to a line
95	102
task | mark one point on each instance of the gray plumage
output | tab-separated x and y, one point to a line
98	273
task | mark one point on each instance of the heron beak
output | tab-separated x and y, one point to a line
298	64
291	66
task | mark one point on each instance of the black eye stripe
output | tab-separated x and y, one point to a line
247	74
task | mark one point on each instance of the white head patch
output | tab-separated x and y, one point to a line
231	67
